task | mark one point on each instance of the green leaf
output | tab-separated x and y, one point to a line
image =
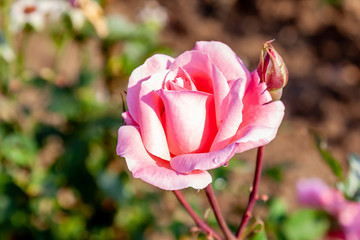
277	210
5	202
64	102
119	28
306	224
334	164
261	235
351	187
275	172
111	185
18	149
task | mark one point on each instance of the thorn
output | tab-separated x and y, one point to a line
263	197
248	214
209	237
207	212
195	230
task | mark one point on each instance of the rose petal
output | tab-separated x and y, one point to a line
128	119
224	58
151	66
179	79
315	193
232	116
150	109
152	169
349	219
198	66
253	136
206	77
203	161
261	118
189	120
310	191
221	94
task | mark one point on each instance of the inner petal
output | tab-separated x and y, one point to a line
199	66
189	121
179	79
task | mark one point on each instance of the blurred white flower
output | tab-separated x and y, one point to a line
6	53
77	18
37	13
153	12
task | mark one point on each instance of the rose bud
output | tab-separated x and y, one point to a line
272	70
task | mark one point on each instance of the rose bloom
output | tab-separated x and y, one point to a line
193	113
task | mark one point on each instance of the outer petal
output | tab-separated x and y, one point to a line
189	120
152	169
311	191
224	58
150	108
128	119
315	193
232	116
151	66
261	118
349	219
203	161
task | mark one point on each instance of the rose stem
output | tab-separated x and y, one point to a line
219	217
253	194
201	224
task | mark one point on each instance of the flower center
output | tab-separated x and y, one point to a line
29	9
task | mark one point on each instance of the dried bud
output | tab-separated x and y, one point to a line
272	70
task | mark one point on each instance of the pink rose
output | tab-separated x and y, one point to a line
315	193
349	219
193	113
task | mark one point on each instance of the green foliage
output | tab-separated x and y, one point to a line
351	186
334	164
261	235
19	149
60	177
304	224
256	231
275	172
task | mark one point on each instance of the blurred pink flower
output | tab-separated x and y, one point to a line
193	113
315	193
349	219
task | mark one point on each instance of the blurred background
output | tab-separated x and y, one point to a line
64	67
